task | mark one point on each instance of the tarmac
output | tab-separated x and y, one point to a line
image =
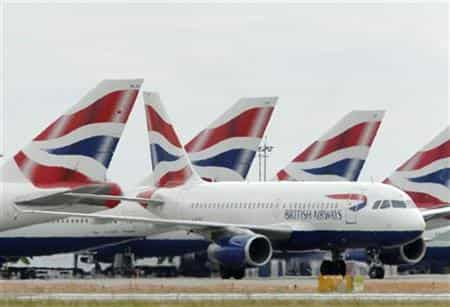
405	288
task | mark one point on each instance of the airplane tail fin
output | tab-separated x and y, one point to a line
425	177
77	148
340	153
170	163
225	150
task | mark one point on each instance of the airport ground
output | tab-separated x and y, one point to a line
412	290
398	284
254	303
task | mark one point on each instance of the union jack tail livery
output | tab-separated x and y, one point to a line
425	177
77	148
225	150
340	153
171	166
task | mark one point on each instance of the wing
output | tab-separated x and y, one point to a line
277	231
436	218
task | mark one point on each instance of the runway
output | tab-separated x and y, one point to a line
236	296
412	287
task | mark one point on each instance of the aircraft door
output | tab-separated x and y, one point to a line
351	215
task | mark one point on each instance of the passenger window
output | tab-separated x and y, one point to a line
398	204
386	204
377	204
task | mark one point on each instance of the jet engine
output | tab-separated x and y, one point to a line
410	253
243	250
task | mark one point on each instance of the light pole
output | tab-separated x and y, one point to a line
263	153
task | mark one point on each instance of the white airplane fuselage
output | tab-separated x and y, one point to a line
319	215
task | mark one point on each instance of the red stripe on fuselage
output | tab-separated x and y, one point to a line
348	196
156	123
240	126
351	137
106	109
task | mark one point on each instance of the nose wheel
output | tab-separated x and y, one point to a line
376	268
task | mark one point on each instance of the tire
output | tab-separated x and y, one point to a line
380	272
341	268
373	272
224	273
239	273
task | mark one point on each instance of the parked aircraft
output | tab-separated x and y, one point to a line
222	151
70	155
245	222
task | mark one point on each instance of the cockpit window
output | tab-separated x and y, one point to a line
386	204
377	204
398	204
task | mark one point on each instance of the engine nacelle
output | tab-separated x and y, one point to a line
245	250
410	253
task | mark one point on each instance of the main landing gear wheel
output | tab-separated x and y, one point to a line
239	273
376	272
225	273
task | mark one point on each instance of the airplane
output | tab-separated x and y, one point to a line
222	151
349	140
246	222
340	153
71	155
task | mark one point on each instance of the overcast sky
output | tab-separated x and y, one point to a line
321	60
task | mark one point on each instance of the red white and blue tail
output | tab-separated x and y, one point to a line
425	177
340	153
77	148
170	163
225	150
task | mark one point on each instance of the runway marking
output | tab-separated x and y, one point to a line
238	296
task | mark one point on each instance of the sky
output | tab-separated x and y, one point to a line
322	60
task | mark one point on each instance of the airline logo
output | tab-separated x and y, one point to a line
170	165
340	154
77	148
359	201
425	177
225	150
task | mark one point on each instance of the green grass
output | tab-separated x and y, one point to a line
15	303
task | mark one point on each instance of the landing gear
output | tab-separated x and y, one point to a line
334	267
376	272
227	273
376	269
239	273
